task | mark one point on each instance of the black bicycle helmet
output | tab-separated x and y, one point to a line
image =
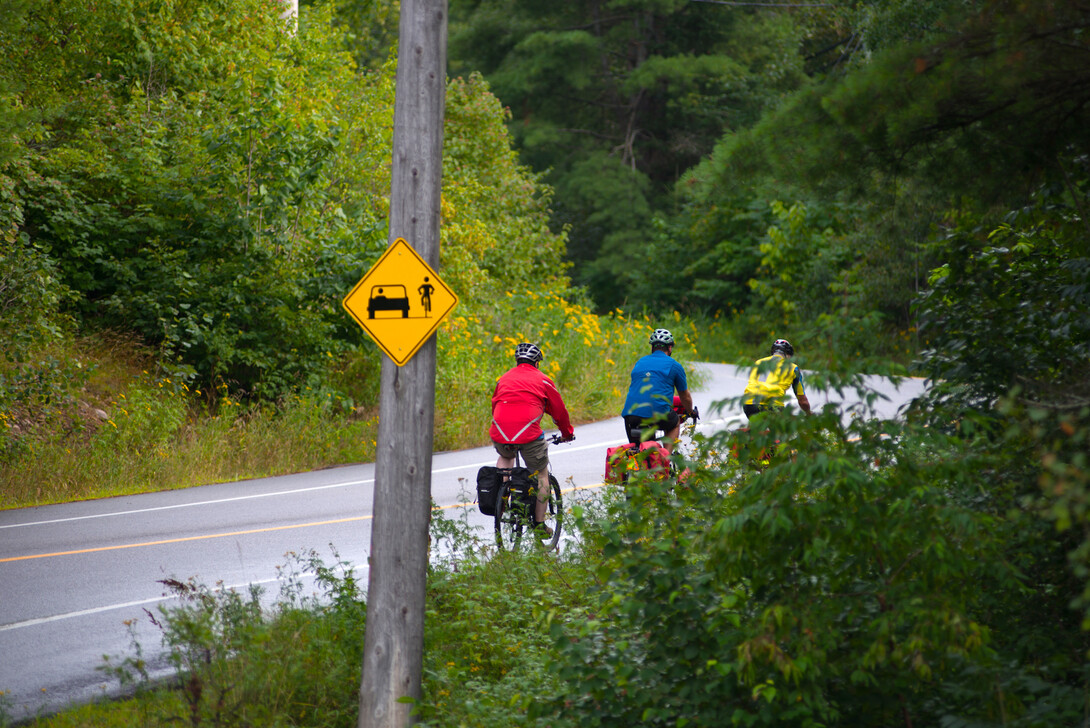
528	352
783	346
661	337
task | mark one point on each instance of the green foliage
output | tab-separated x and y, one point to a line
864	577
217	188
1007	323
487	642
15	116
196	204
370	29
238	661
1021	288
800	264
30	298
917	110
495	215
614	104
35	384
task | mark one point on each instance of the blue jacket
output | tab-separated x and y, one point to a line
654	379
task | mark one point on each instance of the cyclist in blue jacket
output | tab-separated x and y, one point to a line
648	407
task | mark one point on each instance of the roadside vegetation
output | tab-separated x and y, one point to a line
118	424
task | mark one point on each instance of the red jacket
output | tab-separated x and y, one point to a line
523	394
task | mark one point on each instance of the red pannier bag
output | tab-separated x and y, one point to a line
624	459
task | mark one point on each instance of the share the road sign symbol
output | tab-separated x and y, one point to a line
400	302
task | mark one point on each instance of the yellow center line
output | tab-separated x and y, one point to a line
182	540
221	535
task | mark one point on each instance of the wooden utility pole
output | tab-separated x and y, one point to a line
394	639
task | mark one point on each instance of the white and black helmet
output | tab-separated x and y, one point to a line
661	337
528	352
783	346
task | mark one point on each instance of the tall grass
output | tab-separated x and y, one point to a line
158	440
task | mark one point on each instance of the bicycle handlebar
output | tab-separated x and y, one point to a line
683	415
557	439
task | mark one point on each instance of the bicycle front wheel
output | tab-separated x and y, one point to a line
514	521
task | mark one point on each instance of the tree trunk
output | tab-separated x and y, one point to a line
394	640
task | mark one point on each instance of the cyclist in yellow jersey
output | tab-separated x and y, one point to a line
770	379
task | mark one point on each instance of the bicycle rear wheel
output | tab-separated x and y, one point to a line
514	521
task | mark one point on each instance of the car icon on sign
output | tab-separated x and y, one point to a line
388	298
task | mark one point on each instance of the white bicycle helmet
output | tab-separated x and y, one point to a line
661	337
528	352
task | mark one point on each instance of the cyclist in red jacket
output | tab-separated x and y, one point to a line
522	396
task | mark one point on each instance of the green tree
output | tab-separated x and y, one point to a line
186	193
370	29
933	111
1007	324
615	100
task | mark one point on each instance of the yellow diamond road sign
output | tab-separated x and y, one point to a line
400	302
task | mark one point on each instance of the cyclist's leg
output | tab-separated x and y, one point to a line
639	429
633	428
648	428
536	455
554	514
506	452
671	429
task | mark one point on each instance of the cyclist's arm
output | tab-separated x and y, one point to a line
554	406
686	398
800	395
681	384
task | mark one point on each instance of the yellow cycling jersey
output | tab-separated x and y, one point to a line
770	379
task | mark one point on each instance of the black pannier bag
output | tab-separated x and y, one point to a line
490	484
523	487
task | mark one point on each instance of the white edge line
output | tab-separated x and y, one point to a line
188	505
125	605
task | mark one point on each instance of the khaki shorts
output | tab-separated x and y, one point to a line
535	453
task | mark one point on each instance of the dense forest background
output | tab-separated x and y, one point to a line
802	162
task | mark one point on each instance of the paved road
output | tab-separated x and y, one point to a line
73	575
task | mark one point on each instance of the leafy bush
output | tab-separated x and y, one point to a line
841	584
197	206
238	661
1007	324
35	383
